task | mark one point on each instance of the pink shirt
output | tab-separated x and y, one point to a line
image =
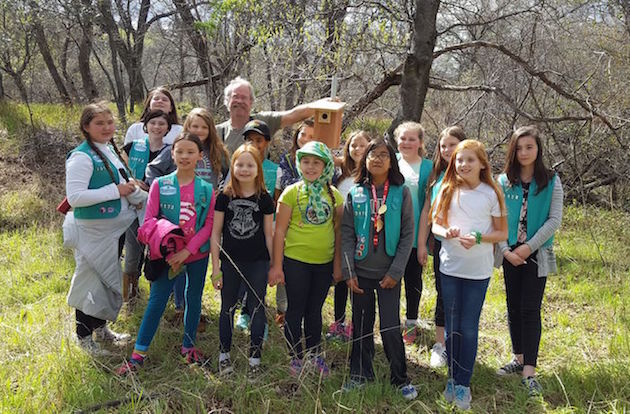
187	218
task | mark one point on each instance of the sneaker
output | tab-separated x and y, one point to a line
93	348
449	391
534	388
104	334
295	367
438	355
352	384
280	319
409	334
193	356
242	323
129	366
462	397
225	367
335	331
321	367
512	367
254	372
408	392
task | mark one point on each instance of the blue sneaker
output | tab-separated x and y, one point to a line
242	322
408	392
449	391
352	384
462	397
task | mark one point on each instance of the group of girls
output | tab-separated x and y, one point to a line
371	233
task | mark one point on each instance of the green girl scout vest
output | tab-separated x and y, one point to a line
362	219
170	201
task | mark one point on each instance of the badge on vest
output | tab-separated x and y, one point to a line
140	146
360	246
167	190
360	196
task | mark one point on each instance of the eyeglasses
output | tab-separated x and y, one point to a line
383	156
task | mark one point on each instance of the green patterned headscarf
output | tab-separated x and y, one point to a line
315	190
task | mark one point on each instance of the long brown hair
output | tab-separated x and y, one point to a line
233	187
294	147
439	164
88	114
217	153
512	169
452	182
349	166
147	104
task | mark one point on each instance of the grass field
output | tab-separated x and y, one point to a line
583	364
584	357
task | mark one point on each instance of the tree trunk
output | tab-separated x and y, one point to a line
64	70
19	83
199	44
85	50
417	66
44	49
334	14
1	87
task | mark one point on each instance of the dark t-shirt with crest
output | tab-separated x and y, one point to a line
243	226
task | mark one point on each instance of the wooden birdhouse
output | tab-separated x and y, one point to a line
328	116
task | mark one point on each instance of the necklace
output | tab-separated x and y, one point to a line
377	213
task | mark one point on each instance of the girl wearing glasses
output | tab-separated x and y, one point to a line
377	236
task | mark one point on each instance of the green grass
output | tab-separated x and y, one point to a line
583	362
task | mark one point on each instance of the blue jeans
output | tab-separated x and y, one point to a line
194	279
178	291
256	285
463	300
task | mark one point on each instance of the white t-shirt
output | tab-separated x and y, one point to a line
135	132
344	186
470	210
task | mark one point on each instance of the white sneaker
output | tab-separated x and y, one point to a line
104	334
438	356
92	348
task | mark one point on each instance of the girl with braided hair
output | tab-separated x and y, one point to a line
97	189
304	259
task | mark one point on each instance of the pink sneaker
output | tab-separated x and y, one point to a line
335	331
295	368
193	356
347	332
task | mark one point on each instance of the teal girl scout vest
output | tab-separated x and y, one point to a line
100	178
270	172
170	201
139	157
362	219
537	207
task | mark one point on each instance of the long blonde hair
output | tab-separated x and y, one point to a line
452	182
212	145
233	187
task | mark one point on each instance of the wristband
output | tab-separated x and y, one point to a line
216	277
477	237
